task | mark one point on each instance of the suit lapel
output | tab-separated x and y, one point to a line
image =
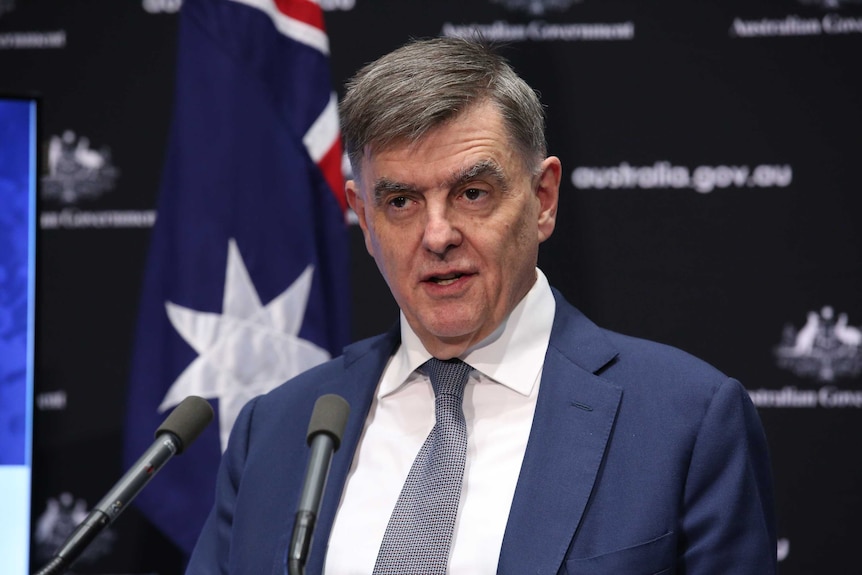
575	413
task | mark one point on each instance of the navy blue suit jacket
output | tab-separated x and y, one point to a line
641	460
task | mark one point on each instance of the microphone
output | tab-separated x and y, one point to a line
173	436
325	429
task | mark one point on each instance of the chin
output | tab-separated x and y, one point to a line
452	331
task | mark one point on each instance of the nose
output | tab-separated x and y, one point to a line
441	233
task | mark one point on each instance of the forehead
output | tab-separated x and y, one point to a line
475	142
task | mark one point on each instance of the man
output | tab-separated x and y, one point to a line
586	451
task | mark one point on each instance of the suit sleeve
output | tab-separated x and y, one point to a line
728	523
212	552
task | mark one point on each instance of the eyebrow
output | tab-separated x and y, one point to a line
485	168
385	187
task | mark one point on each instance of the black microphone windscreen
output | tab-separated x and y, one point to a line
330	417
187	420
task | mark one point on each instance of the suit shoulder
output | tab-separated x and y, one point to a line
657	354
624	357
650	367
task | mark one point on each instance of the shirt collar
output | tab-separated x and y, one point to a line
513	355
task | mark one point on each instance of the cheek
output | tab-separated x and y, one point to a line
375	235
378	251
517	249
390	253
520	234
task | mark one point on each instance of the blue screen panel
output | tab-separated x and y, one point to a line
18	177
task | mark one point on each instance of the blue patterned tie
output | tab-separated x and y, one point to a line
420	529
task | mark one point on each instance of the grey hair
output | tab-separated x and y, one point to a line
406	93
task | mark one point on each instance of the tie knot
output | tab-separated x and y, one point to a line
448	376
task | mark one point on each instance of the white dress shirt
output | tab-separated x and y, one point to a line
499	402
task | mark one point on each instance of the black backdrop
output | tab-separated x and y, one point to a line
710	200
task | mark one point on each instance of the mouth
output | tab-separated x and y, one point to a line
445	279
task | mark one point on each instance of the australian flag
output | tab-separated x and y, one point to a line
247	276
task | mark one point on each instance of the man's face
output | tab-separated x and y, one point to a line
454	222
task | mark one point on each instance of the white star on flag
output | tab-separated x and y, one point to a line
247	350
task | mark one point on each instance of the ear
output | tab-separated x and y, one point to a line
357	204
548	194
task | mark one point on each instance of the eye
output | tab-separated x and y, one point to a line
473	194
399	202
